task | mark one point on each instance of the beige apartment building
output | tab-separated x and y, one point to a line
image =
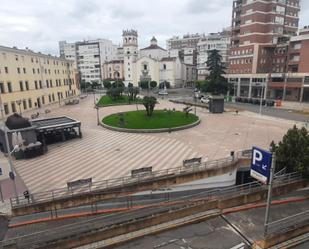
30	80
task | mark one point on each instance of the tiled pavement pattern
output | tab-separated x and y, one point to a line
103	154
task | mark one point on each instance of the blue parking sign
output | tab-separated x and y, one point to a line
261	164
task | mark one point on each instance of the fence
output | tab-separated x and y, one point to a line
287	223
56	194
106	222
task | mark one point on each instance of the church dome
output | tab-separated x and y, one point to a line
153	41
16	121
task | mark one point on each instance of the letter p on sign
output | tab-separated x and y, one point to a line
257	156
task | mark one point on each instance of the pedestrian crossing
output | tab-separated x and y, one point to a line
101	154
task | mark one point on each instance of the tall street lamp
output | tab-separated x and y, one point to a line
17	143
98	116
261	97
18	102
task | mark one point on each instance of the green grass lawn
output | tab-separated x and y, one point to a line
159	119
106	100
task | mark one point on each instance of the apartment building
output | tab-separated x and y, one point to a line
30	80
90	56
219	41
261	33
187	41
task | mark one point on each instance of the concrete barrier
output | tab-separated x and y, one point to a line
174	213
124	190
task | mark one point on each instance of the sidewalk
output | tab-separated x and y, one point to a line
297	106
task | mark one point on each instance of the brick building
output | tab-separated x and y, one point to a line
267	56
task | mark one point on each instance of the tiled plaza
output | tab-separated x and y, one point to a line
104	154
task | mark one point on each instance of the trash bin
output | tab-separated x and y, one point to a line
278	102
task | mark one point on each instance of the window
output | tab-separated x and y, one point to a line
38	70
30	103
25	104
13	107
47	84
6	69
33	70
36	84
2	88
6	109
40	83
27	85
21	86
49	98
24	70
43	100
10	87
18	70
164	66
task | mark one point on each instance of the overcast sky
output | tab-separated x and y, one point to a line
40	24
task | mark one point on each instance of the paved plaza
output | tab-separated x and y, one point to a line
104	154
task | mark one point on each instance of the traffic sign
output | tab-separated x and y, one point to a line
261	164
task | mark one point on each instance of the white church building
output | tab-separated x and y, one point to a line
151	63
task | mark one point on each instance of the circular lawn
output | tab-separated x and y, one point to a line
160	119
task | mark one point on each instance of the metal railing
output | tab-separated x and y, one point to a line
288	223
61	193
106	222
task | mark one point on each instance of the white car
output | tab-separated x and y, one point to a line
205	100
163	93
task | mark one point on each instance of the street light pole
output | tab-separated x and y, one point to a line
261	98
98	118
19	103
12	175
272	171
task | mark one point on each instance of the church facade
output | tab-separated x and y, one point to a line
151	63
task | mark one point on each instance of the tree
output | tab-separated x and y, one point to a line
115	93
149	103
166	84
95	84
292	152
132	91
216	83
143	84
118	84
107	84
199	84
153	84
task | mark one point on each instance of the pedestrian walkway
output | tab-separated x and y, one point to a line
299	106
103	154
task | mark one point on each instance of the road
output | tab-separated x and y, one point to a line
187	94
271	111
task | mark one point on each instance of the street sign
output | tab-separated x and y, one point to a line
261	164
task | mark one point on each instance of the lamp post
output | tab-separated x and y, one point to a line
9	152
261	98
18	102
98	117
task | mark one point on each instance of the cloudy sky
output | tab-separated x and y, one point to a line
40	24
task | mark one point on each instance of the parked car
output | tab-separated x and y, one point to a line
163	93
205	100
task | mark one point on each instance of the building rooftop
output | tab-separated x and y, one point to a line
28	51
168	59
50	123
153	47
